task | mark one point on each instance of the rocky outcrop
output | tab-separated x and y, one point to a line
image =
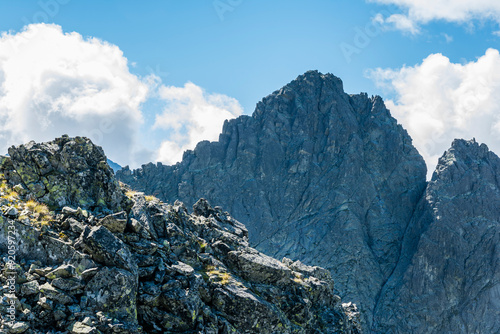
133	264
448	280
67	171
315	174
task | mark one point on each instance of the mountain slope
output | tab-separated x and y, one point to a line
315	174
88	255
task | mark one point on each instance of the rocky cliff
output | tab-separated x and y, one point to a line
448	280
333	180
85	254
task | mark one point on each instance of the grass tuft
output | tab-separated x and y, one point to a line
150	198
221	276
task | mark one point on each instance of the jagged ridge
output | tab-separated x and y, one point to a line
95	257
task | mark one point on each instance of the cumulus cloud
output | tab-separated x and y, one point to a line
191	115
397	21
438	101
418	12
52	83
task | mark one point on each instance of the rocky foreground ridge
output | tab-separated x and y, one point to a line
331	179
92	256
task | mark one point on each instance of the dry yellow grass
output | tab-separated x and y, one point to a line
222	276
150	198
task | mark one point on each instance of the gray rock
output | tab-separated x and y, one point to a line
63	271
113	290
89	273
259	268
18	327
68	284
107	249
55	294
67	171
45	303
11	212
115	223
30	288
81	328
449	279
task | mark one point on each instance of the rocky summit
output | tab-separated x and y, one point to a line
331	179
82	253
448	279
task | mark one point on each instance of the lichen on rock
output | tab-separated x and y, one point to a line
66	171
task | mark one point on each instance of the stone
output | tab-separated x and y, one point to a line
45	303
451	257
81	328
183	269
113	290
71	171
89	273
68	284
19	327
63	271
259	268
11	212
107	249
55	294
30	288
115	223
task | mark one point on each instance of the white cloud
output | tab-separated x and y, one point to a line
191	115
53	83
438	101
423	11
403	23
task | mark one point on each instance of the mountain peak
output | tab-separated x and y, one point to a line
307	88
306	174
464	155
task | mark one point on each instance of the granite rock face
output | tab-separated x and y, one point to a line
150	268
315	174
448	280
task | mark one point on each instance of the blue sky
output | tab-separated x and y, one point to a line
244	50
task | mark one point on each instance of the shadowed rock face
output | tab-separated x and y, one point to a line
315	174
448	280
